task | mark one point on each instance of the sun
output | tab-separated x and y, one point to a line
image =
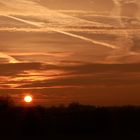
28	99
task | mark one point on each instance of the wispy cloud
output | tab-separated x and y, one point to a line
8	58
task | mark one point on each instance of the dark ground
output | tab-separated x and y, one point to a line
72	122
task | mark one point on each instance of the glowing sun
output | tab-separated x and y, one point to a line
28	99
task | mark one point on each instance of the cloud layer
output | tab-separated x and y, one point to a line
99	84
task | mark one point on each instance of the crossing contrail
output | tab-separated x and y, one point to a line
124	42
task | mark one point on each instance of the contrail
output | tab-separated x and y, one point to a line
63	32
17	7
25	21
86	39
59	19
118	10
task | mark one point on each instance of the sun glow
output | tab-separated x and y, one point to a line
28	99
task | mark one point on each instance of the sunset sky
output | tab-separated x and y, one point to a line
63	51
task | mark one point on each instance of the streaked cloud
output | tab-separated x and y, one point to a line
99	84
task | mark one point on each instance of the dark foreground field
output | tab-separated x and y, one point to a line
75	121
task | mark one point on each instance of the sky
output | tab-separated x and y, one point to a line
62	51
